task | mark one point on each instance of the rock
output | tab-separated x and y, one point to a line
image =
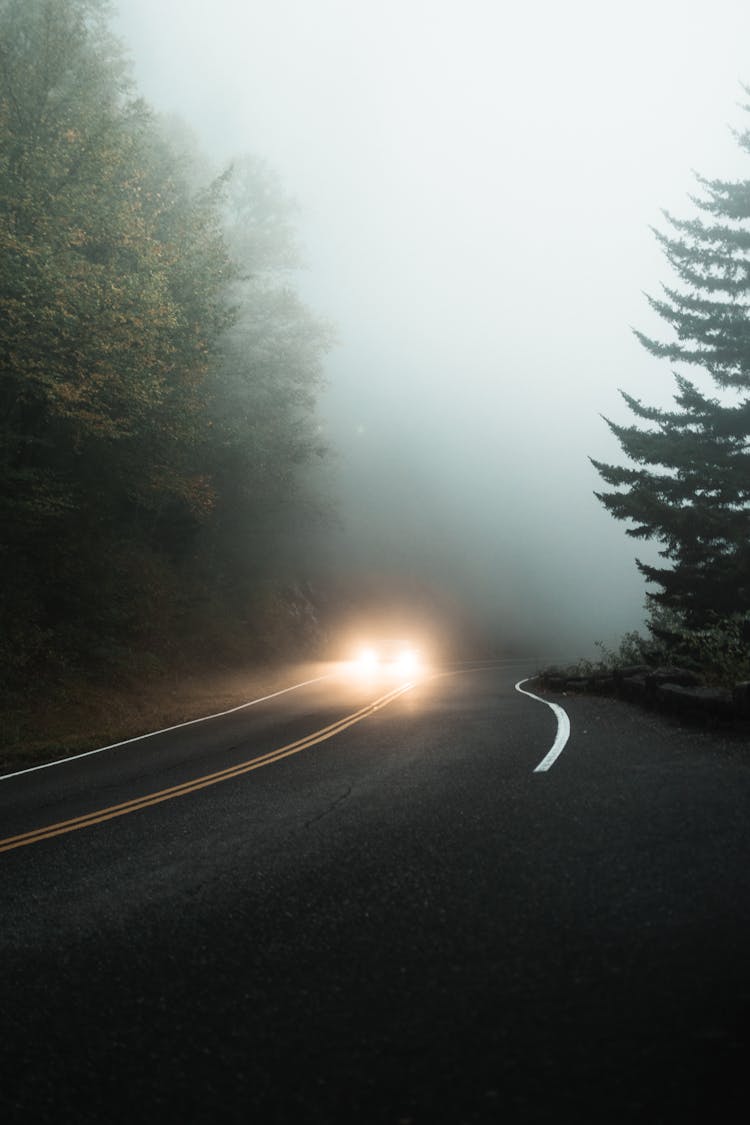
684	677
554	681
633	687
632	670
703	700
741	699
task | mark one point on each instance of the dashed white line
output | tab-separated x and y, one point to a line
563	728
165	730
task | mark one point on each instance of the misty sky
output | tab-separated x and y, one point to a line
476	182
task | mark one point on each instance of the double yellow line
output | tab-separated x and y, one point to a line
98	816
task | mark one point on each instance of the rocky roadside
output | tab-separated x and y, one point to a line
678	691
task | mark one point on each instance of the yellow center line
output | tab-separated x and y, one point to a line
98	816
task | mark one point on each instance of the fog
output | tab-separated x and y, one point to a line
476	184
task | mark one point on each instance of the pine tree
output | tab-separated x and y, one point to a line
690	487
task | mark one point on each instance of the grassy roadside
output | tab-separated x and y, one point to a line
81	714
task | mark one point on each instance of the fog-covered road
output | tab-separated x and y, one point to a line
403	923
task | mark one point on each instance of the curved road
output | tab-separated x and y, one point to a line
312	910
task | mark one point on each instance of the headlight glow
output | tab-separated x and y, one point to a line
367	660
387	659
407	662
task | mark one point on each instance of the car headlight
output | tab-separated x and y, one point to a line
367	660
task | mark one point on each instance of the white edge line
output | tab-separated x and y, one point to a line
563	728
164	730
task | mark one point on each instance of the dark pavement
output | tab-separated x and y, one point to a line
402	924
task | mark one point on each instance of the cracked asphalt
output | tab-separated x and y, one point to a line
400	925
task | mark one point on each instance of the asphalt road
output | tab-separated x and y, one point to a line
401	924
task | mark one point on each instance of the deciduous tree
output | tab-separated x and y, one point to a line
158	372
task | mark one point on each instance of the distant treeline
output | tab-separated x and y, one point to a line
158	372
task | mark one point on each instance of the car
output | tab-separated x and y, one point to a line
389	657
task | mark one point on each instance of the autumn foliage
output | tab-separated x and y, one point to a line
158	372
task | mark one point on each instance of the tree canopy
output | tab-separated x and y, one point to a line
158	372
688	486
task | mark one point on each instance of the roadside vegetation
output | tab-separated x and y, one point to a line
158	381
718	652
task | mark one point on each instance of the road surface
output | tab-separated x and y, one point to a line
403	923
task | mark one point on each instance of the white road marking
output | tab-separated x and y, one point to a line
563	728
165	730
